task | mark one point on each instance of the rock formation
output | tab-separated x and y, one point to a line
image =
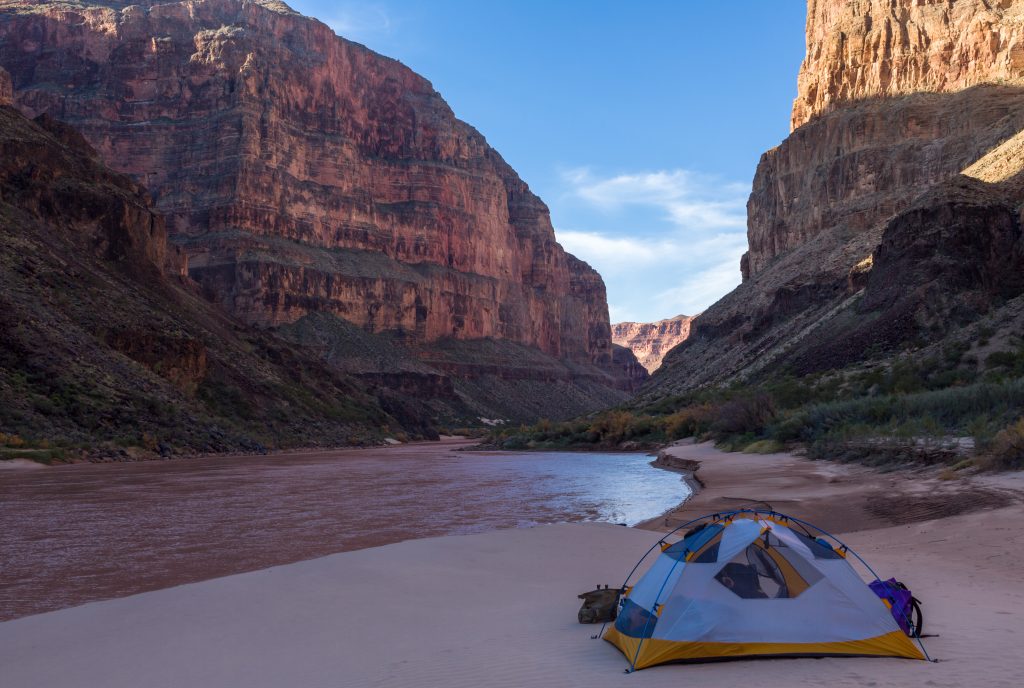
105	347
862	49
889	216
6	89
304	173
651	341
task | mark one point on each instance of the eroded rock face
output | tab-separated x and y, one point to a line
651	341
305	173
859	49
893	98
889	218
632	371
101	339
852	169
6	89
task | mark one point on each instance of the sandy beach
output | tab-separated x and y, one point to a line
837	497
499	608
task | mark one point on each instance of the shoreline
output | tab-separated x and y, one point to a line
499	607
149	457
838	497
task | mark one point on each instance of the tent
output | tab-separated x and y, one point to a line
753	583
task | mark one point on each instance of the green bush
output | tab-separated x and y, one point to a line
1006	451
748	415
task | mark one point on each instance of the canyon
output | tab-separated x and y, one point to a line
888	221
651	341
326	196
108	351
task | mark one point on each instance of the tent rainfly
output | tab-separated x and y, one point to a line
753	583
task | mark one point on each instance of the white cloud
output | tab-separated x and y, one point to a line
359	22
683	261
688	199
619	253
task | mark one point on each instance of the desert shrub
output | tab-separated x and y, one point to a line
1006	450
689	421
11	440
1012	361
763	447
748	415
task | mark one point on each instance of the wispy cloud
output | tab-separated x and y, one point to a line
359	21
681	260
689	199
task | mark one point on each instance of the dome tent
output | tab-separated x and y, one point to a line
752	583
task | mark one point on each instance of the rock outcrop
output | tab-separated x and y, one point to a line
863	49
107	349
651	341
304	173
876	225
630	367
6	88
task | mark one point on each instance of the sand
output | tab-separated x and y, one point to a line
499	609
838	497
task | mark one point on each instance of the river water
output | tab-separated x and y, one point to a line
74	534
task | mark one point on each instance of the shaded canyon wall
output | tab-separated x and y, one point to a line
305	173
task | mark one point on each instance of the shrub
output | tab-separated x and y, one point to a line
744	416
689	421
763	447
1007	448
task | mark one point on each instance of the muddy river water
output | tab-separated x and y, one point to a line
74	534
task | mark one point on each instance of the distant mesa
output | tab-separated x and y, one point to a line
651	341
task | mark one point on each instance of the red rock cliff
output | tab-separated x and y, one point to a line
306	173
859	49
885	219
651	341
885	110
6	90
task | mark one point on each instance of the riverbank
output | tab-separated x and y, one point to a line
499	609
838	497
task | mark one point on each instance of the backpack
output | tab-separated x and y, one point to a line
905	608
600	605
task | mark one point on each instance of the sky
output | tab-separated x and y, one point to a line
640	124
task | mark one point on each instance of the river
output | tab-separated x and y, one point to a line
74	534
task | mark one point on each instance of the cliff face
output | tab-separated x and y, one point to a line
872	62
304	173
6	89
104	344
651	341
874	226
859	49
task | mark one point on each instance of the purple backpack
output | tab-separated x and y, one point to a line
905	608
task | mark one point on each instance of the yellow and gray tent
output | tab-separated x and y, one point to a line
753	584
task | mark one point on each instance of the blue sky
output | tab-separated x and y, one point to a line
640	124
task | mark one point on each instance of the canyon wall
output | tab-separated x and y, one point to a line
304	173
108	353
908	116
860	49
651	341
917	90
6	89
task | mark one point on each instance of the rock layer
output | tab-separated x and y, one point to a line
651	341
849	171
106	347
305	173
889	218
6	89
859	49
